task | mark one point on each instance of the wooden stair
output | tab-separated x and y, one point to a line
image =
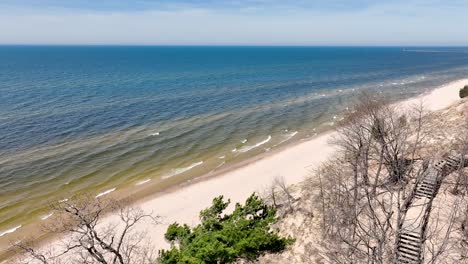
409	247
411	238
426	187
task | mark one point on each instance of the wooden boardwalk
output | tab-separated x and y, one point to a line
412	235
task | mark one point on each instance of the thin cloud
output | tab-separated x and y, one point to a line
239	23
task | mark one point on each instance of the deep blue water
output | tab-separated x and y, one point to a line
76	118
51	94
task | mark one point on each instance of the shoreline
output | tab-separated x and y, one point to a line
182	202
439	92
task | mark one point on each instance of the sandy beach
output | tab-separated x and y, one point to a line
293	163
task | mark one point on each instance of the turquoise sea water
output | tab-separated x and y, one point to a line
99	118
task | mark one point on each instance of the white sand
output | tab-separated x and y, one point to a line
439	98
184	204
293	163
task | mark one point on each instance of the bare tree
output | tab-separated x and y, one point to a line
281	184
364	188
461	148
88	239
439	238
464	235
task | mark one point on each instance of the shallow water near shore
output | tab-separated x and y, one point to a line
106	119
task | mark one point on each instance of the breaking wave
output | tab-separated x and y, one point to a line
44	217
182	170
11	230
287	137
142	182
105	192
248	148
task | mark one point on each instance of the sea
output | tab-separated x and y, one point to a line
129	120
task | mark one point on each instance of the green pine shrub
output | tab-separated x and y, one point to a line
464	92
223	238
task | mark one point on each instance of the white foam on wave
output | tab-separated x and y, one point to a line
248	148
287	137
182	170
142	182
44	217
154	134
244	141
62	201
105	192
222	163
9	231
221	157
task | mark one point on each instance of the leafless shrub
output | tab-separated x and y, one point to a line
440	239
460	146
88	240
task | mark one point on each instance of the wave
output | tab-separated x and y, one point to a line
221	164
289	136
244	141
62	201
248	148
286	138
44	217
154	134
182	170
105	192
11	230
142	182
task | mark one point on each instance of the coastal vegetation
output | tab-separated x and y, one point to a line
361	188
224	238
87	239
221	237
464	92
361	201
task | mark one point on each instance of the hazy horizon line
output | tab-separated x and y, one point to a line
233	45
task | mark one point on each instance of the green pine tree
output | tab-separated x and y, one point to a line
223	238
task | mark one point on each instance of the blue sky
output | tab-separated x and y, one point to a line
237	22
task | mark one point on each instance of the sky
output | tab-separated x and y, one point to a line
237	22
